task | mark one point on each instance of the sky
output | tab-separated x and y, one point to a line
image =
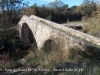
41	2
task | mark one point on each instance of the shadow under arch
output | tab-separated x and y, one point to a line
50	45
27	37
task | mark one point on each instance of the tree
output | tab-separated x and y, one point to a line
41	10
86	2
9	17
73	8
86	8
56	6
10	11
34	7
64	8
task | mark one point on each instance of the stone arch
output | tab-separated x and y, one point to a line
27	36
50	45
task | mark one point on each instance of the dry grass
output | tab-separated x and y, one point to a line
92	27
93	24
49	58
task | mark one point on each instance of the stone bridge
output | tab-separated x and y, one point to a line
50	35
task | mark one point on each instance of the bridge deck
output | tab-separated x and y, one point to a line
69	34
89	38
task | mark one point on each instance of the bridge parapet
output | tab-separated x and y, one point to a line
50	36
91	39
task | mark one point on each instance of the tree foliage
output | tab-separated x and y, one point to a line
57	6
87	8
55	11
10	11
9	17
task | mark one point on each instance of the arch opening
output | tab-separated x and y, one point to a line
27	37
50	45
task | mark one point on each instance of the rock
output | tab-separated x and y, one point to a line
22	61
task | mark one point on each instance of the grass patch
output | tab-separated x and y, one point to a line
49	59
75	54
43	22
92	27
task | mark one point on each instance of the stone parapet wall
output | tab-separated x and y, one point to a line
43	32
79	34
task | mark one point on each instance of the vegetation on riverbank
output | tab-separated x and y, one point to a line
14	55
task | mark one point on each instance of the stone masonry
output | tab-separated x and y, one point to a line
44	30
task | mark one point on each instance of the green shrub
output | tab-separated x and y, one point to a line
75	54
92	26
